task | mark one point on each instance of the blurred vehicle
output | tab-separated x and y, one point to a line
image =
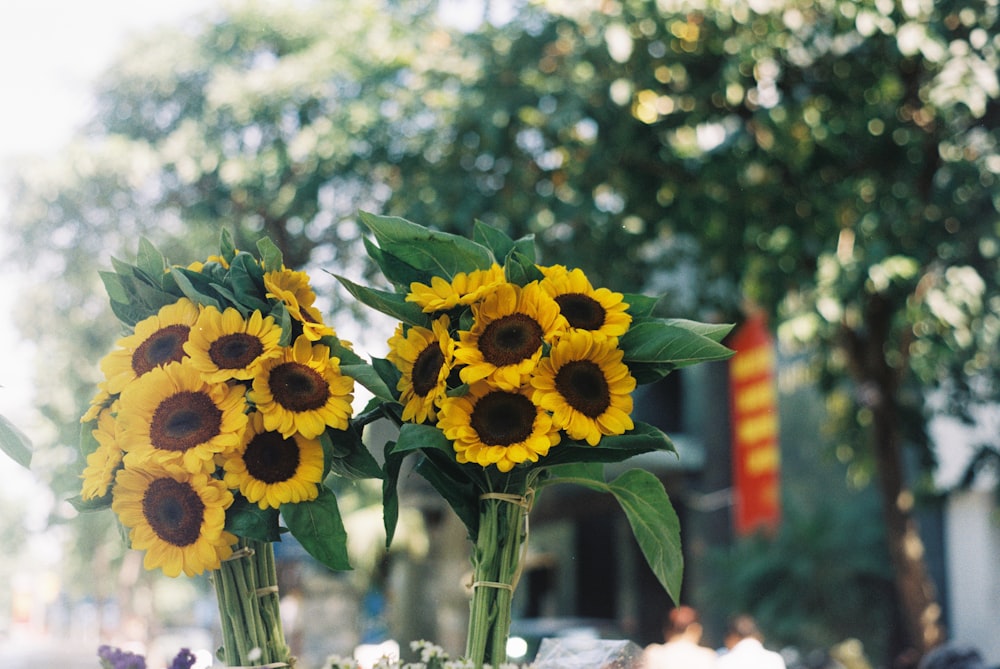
526	634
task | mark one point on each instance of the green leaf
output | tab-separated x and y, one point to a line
714	331
416	436
644	438
246	519
439	253
247	283
350	459
150	261
391	304
317	525
452	482
497	241
186	282
640	306
390	491
270	255
659	342
88	505
654	524
389	374
227	245
15	443
521	269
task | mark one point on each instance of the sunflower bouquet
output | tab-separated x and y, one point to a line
221	414
506	376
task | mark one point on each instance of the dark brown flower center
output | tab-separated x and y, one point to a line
184	420
510	339
298	387
426	369
272	458
163	346
583	386
581	311
174	511
235	351
502	418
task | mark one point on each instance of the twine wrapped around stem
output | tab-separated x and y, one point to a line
497	559
247	591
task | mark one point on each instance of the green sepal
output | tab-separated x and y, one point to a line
15	443
318	526
246	519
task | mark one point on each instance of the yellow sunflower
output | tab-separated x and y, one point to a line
464	288
157	341
172	416
271	470
489	426
223	346
303	391
425	358
509	326
586	308
586	386
198	266
101	400
293	289
105	460
176	517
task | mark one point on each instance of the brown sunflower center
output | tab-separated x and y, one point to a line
584	387
235	351
271	458
427	369
184	420
510	339
502	418
174	511
163	346
581	311
298	387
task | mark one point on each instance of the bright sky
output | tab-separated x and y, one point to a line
50	52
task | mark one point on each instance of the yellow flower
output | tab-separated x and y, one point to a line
425	358
101	400
489	426
198	266
293	289
586	308
223	346
586	386
464	288
271	470
172	416
176	517
157	341
509	326
303	391
105	460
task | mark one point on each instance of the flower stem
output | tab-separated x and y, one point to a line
496	562
246	589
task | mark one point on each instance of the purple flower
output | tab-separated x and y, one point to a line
184	660
116	658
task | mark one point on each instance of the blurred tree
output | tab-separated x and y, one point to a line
831	161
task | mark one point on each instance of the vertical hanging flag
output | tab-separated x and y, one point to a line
756	453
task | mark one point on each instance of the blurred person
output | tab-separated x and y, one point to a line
745	647
681	648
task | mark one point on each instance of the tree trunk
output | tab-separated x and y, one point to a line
879	381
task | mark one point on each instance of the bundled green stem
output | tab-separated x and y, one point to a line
496	563
246	586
